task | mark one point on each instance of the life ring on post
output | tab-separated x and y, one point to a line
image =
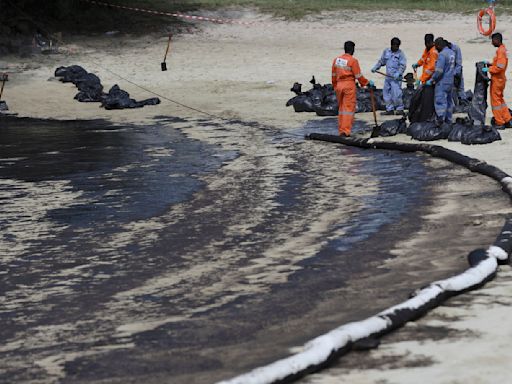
492	24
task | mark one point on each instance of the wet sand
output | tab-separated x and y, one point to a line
250	71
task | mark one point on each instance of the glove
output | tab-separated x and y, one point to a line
374	70
415	65
371	84
429	82
417	83
485	70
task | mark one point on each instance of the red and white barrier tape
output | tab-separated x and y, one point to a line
172	14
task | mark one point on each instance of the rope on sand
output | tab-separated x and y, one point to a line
323	350
285	134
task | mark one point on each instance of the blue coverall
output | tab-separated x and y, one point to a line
458	71
443	80
395	63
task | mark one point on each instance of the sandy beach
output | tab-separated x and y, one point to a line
245	73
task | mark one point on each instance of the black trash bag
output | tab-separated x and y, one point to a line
90	96
70	74
119	99
88	81
421	107
329	106
462	106
457	131
479	101
393	127
462	124
480	135
456	81
316	95
363	94
330	99
363	106
379	99
314	99
365	102
429	131
296	88
327	110
90	88
301	103
322	99
407	95
328	89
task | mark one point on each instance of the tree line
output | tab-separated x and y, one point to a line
25	16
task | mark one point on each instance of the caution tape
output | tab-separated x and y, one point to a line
172	14
208	19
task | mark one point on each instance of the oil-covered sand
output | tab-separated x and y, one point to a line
164	246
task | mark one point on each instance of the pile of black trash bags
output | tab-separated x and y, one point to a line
91	90
421	113
321	99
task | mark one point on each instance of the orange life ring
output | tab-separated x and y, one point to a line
492	24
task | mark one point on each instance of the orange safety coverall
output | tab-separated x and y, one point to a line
498	81
428	62
345	71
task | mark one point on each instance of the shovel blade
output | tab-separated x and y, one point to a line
164	66
375	131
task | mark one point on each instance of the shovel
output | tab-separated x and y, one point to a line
164	64
3	104
385	74
376	128
5	77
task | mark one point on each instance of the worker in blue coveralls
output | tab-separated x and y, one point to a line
443	80
394	60
458	83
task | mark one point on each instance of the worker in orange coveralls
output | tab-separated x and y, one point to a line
498	81
345	72
428	59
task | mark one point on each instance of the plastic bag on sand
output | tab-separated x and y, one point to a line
429	131
480	135
393	127
465	132
422	105
461	125
119	99
329	106
479	102
457	131
301	103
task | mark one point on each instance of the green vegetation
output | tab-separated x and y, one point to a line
79	16
294	9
